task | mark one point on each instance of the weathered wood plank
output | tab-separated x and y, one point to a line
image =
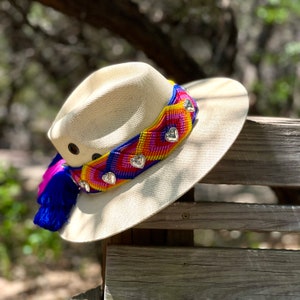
267	152
92	294
230	216
198	273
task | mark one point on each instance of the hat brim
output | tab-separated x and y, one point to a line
223	106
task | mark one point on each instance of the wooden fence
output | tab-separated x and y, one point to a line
157	259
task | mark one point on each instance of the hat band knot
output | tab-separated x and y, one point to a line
141	152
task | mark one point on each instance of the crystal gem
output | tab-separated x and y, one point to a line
188	105
84	185
172	135
138	161
109	178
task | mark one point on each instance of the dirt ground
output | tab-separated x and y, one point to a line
51	285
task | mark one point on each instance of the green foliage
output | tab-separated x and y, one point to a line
278	11
292	50
276	59
19	237
276	97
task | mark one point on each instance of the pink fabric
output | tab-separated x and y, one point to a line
50	172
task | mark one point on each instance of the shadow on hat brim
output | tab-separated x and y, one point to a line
223	106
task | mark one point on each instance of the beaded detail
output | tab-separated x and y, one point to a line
152	145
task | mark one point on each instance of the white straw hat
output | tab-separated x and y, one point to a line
112	107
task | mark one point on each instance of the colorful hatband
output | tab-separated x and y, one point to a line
116	167
130	159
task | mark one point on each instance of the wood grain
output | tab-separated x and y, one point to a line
92	294
199	273
267	152
230	216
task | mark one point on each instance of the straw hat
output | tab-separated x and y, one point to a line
111	110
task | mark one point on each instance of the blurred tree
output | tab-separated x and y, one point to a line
48	46
271	36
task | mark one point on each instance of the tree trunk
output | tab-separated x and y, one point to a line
124	19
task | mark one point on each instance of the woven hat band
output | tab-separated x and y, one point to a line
133	157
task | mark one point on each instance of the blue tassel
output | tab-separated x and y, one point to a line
57	197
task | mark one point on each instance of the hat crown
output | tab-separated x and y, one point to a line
109	107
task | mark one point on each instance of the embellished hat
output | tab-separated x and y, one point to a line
130	142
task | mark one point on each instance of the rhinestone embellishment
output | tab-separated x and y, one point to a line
172	135
84	185
109	178
138	161
188	105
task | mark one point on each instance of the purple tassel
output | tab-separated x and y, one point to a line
57	195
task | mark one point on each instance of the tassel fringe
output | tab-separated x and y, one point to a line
57	196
